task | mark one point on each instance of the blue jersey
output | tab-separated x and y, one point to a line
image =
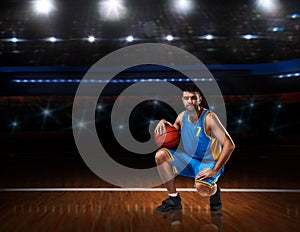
196	142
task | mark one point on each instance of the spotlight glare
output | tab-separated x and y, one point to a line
46	112
183	5
81	124
169	38
209	37
268	6
43	7
129	38
14	40
248	36
112	9
91	39
14	124
52	39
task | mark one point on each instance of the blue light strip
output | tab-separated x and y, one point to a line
288	75
116	81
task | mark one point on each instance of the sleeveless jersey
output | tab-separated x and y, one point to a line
196	142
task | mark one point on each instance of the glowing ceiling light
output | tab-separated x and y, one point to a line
209	37
52	39
15	124
43	6
91	39
268	6
112	9
46	112
14	40
169	37
248	36
129	38
183	5
81	124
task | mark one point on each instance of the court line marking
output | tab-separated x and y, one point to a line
141	190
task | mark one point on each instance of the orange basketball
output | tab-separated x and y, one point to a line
169	139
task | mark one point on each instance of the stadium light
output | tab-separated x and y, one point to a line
43	7
15	124
46	112
129	38
52	39
248	36
169	38
209	37
14	40
268	6
91	39
183	5
112	9
81	124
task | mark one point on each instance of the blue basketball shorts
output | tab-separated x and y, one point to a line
185	165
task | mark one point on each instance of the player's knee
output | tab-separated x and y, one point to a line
204	190
161	156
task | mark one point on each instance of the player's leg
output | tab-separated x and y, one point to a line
215	200
214	193
163	162
208	187
164	165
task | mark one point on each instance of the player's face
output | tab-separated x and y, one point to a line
191	100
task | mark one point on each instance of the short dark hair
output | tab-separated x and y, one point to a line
191	87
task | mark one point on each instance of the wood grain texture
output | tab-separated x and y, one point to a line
135	211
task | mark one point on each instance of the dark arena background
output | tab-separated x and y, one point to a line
252	48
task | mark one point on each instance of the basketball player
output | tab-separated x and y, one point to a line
207	146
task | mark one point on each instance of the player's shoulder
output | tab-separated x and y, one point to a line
211	115
180	117
181	114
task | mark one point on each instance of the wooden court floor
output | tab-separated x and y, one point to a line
104	209
135	211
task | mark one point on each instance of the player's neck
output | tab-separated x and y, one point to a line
195	114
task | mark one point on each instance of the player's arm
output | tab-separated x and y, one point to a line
161	128
218	130
215	128
178	122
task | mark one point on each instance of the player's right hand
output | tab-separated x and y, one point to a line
161	127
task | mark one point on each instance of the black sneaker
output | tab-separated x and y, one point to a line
215	201
171	203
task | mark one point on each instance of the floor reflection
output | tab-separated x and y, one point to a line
177	222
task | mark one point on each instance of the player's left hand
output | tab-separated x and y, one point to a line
205	173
